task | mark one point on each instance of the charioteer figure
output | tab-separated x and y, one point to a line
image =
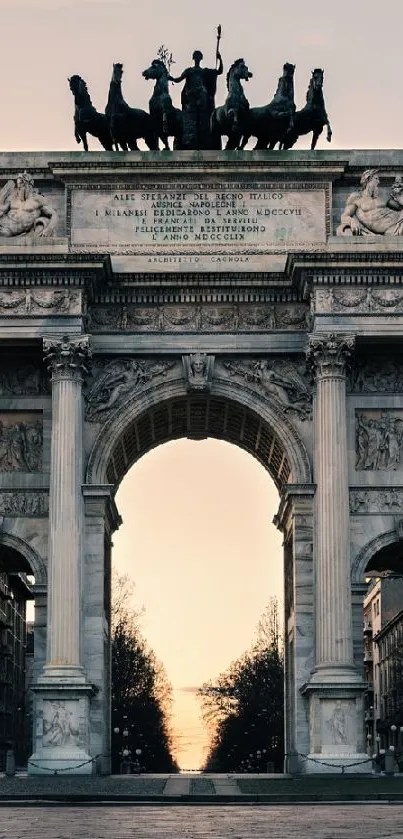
198	100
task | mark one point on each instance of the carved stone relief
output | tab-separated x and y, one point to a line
114	381
378	375
23	380
203	318
376	500
379	440
21	442
24	504
357	300
60	723
40	302
198	369
367	212
23	210
284	380
338	724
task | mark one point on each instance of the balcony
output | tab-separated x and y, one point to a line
368	628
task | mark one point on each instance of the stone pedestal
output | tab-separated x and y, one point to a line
336	686
61	734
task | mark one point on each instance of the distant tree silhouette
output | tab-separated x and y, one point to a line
244	707
141	693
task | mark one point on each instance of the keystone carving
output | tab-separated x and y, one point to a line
114	382
278	378
198	370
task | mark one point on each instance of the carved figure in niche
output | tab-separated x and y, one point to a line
198	370
20	447
119	379
24	210
198	103
366	213
378	442
60	729
338	725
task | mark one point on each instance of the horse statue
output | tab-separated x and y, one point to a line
167	120
270	123
127	124
87	120
312	117
229	119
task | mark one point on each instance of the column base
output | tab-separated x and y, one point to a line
55	762
336	676
331	763
62	724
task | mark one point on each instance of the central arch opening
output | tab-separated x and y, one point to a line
198	540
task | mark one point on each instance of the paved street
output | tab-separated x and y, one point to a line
373	821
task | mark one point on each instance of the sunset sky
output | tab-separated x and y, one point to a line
197	538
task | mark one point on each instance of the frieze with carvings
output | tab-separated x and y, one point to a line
379	440
376	501
30	504
357	300
23	380
114	381
243	318
37	302
377	375
21	442
279	379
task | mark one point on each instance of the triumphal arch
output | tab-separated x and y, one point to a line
255	297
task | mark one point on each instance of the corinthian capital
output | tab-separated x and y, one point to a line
328	355
67	357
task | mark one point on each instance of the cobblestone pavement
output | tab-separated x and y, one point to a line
380	821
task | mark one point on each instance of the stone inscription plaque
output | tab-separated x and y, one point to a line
240	218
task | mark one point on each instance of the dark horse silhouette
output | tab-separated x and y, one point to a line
229	120
127	125
167	120
270	123
87	120
312	117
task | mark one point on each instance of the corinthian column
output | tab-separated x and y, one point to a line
67	359
328	356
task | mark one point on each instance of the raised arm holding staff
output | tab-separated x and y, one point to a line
198	100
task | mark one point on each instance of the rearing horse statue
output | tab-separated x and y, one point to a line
127	124
229	120
312	117
167	120
87	120
270	123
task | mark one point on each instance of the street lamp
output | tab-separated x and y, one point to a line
393	729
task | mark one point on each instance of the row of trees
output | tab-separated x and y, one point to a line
244	707
141	693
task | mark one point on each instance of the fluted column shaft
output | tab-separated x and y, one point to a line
66	360
334	645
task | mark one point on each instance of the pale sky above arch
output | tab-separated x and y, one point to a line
44	42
